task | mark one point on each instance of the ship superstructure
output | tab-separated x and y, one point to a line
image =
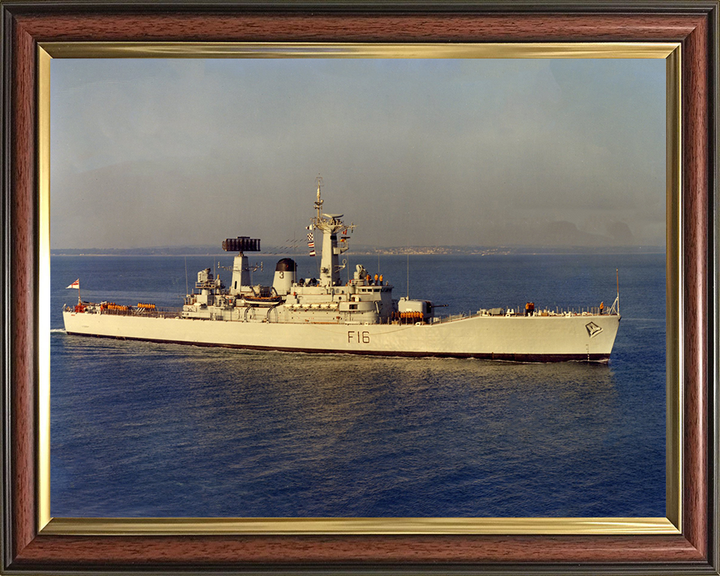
359	316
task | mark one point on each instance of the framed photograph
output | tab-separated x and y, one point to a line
154	130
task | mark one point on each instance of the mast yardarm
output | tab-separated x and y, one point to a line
330	225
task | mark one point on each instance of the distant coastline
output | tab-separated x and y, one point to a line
367	251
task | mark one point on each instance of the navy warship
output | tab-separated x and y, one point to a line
360	316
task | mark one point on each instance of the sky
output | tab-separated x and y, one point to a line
438	152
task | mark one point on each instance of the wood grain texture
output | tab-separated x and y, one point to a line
697	290
22	255
223	551
690	551
319	27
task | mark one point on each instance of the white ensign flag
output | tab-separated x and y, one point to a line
75	284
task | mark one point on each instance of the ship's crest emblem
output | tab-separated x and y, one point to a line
593	329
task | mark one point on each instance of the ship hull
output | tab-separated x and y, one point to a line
518	338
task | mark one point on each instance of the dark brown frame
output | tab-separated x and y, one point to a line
692	23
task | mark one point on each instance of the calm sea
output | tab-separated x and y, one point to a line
143	429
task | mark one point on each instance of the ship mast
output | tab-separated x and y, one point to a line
615	308
617	288
318	202
329	224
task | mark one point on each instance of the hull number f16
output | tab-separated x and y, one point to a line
358	336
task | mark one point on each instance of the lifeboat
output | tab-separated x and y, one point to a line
262	300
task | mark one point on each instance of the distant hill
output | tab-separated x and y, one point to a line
150	251
367	250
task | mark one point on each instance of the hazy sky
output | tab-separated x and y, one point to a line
414	152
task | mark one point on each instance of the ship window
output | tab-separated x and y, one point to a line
353	306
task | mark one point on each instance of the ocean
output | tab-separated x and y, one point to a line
140	429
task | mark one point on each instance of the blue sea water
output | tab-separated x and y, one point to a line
144	429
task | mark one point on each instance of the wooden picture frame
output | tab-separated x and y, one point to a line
26	25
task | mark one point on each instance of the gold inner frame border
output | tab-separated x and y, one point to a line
671	524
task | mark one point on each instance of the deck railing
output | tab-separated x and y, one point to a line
518	311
